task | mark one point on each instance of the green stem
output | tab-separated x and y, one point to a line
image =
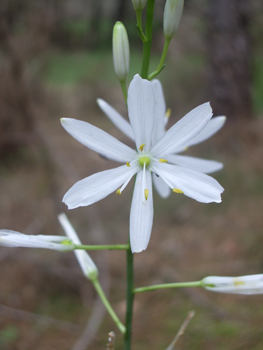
139	25
139	19
103	247
162	60
106	303
124	89
148	43
168	285
129	301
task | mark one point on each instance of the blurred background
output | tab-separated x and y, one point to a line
55	61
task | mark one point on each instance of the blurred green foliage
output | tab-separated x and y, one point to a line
258	84
7	336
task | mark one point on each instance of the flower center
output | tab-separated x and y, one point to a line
144	160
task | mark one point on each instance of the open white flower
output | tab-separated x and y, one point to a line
87	265
14	239
150	157
251	284
161	116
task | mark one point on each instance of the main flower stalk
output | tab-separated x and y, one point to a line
129	301
147	44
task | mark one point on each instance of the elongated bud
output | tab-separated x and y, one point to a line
171	17
87	265
252	284
139	4
15	239
121	51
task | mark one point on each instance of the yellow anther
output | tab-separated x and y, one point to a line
118	191
238	283
176	190
146	193
186	148
141	147
128	164
163	160
168	113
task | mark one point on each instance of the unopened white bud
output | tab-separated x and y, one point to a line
171	17
252	284
87	265
139	4
15	239
121	51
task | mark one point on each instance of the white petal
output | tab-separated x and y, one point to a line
141	216
98	140
86	263
97	186
196	185
10	238
211	128
197	164
141	110
159	113
122	124
182	132
161	187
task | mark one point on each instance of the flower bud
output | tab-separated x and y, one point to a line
121	51
139	4
87	265
15	239
252	284
171	17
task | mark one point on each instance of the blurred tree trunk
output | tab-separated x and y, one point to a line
15	121
120	10
93	38
229	53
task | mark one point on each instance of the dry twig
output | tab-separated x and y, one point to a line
110	345
181	330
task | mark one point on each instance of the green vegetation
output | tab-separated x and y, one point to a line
258	84
7	336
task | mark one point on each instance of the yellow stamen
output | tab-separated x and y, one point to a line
163	160
177	190
186	148
146	193
168	113
128	164
118	191
141	147
238	283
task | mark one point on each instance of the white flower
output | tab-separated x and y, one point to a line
149	157
171	17
160	121
121	51
87	265
13	239
252	284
